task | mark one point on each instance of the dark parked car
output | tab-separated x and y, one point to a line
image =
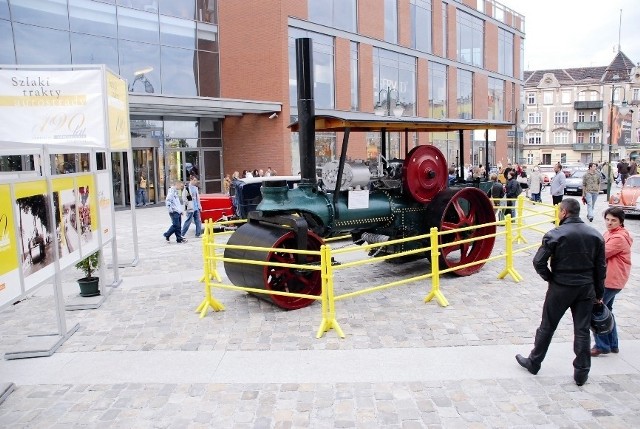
574	182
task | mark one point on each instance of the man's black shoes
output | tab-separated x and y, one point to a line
580	377
526	363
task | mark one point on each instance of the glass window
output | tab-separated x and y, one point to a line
208	74
593	116
534	138
45	13
146	5
535	118
180	129
465	94
207	11
594	137
531	98
496	99
561	137
87	49
93	18
334	13
391	21
580	137
470	39
177	32
178	74
563	158
322	68
181	9
548	97
561	117
566	96
396	72
580	116
355	93
505	52
140	65
36	45
636	94
437	90
137	25
4	9
421	25
7	53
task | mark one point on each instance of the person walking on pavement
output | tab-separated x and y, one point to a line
496	193
557	184
142	191
535	184
576	253
617	248
191	198
623	171
590	189
174	206
513	189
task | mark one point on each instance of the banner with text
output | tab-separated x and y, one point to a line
52	107
119	136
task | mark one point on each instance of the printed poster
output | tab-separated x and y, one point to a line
67	226
87	215
104	204
10	287
32	206
118	114
63	107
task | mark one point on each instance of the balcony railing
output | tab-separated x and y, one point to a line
591	125
594	104
590	147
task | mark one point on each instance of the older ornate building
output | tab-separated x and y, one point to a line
570	113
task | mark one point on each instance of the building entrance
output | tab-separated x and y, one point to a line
145	162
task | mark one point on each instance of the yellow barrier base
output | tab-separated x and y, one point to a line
438	296
516	276
209	303
327	324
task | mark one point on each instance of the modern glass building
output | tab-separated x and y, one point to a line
168	51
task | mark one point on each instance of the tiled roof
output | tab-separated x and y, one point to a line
620	66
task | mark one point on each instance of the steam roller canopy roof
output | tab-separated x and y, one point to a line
359	121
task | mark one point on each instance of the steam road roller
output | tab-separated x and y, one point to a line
400	198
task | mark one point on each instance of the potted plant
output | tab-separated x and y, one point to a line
89	284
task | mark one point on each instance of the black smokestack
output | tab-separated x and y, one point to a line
306	111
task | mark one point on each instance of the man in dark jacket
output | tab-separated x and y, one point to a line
576	280
513	189
623	171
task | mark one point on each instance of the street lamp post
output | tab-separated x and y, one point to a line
623	109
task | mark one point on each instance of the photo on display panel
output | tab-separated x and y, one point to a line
33	224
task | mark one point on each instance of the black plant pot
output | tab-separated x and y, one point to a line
89	286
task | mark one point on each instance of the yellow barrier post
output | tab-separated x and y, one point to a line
557	214
509	269
519	221
435	271
208	253
328	302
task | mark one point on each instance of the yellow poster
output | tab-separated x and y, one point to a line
119	136
10	287
87	214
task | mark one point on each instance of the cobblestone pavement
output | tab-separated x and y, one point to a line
152	311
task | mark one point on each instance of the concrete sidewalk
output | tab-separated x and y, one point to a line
145	358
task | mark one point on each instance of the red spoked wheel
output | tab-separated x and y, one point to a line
274	278
459	208
424	173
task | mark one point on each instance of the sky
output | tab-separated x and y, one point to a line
577	33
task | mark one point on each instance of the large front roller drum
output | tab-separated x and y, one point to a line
272	278
459	208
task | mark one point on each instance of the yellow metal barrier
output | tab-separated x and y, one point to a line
512	233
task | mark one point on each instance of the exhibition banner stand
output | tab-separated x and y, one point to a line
57	213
